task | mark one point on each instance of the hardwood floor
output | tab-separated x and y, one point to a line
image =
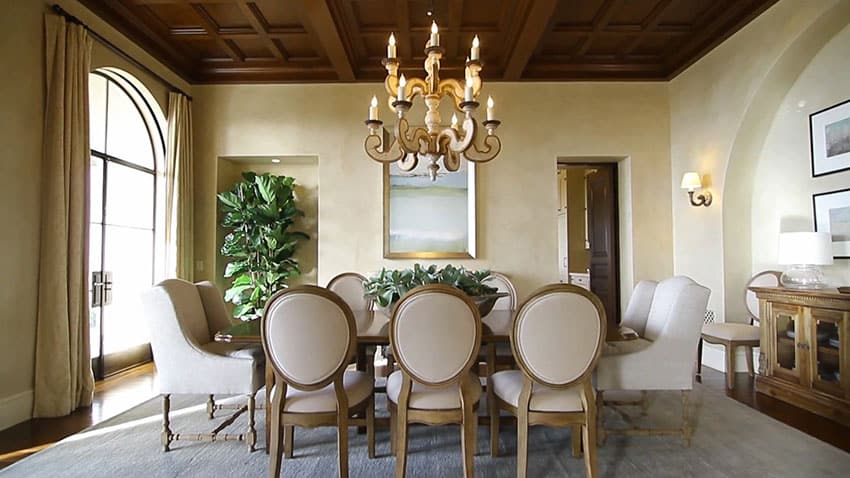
126	390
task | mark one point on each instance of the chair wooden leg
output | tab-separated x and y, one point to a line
749	350
288	438
370	426
468	440
589	438
493	409
210	407
393	431
522	444
251	436
342	442
686	418
275	448
699	358
165	436
401	444
575	438
269	384
730	366
600	420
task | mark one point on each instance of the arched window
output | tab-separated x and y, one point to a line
127	135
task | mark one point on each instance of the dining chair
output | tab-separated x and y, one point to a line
435	331
668	316
349	286
732	335
498	356
183	318
309	336
557	337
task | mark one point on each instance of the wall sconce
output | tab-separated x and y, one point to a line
691	181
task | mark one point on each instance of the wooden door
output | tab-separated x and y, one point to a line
603	237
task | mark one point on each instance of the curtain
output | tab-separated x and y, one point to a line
178	187
63	375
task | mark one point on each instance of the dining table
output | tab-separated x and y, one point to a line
373	330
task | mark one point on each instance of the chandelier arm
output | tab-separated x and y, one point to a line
388	155
454	89
413	143
451	160
408	162
481	155
456	142
415	86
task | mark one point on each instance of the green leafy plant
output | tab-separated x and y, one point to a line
259	212
387	286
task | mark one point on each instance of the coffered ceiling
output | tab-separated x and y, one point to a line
227	41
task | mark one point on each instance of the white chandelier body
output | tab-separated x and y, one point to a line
433	142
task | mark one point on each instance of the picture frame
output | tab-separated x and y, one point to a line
829	138
429	220
832	214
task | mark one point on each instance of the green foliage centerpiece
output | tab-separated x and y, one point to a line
259	212
387	286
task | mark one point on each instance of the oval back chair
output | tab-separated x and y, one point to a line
349	286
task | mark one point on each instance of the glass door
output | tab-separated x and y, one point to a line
122	224
788	339
828	335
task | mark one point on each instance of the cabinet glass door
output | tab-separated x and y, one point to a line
787	335
827	340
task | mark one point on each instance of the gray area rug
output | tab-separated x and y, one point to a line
731	440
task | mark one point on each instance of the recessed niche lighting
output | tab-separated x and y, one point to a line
275	160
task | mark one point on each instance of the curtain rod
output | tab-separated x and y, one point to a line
71	18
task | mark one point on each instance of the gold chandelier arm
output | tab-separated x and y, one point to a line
419	140
389	154
454	141
490	148
414	86
453	88
451	160
408	162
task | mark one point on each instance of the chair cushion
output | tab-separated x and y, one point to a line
247	351
624	347
431	398
507	385
358	386
731	331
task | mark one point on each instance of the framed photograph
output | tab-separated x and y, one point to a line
426	219
832	214
829	135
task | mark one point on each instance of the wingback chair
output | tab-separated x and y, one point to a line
668	316
435	331
557	336
183	318
309	337
733	335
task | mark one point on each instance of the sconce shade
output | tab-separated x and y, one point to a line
691	181
810	248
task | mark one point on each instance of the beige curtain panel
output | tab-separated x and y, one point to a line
178	187
63	375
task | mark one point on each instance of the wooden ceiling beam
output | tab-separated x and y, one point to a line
600	21
453	40
212	28
402	36
318	16
532	31
261	27
649	24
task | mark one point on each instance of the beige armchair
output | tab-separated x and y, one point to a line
668	316
183	318
557	336
309	336
733	335
435	331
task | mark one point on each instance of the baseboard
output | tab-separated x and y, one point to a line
714	356
15	409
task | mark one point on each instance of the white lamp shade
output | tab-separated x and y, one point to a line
805	248
691	181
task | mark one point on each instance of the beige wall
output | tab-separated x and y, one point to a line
517	199
720	112
21	123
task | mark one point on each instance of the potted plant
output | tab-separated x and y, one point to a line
259	212
388	286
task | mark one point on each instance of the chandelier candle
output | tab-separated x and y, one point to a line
490	105
442	147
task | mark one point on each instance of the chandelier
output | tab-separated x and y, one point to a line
433	142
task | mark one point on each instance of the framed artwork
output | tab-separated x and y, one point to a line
829	135
832	214
426	219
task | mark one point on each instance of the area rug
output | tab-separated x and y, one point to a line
730	440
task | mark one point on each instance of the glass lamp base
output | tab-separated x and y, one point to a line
803	277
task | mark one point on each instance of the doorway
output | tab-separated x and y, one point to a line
588	231
127	144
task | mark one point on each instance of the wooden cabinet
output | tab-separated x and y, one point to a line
805	349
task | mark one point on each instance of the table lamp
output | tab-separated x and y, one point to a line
804	252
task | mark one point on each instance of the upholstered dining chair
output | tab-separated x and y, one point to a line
732	335
498	356
668	316
309	336
557	337
435	331
183	318
349	286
